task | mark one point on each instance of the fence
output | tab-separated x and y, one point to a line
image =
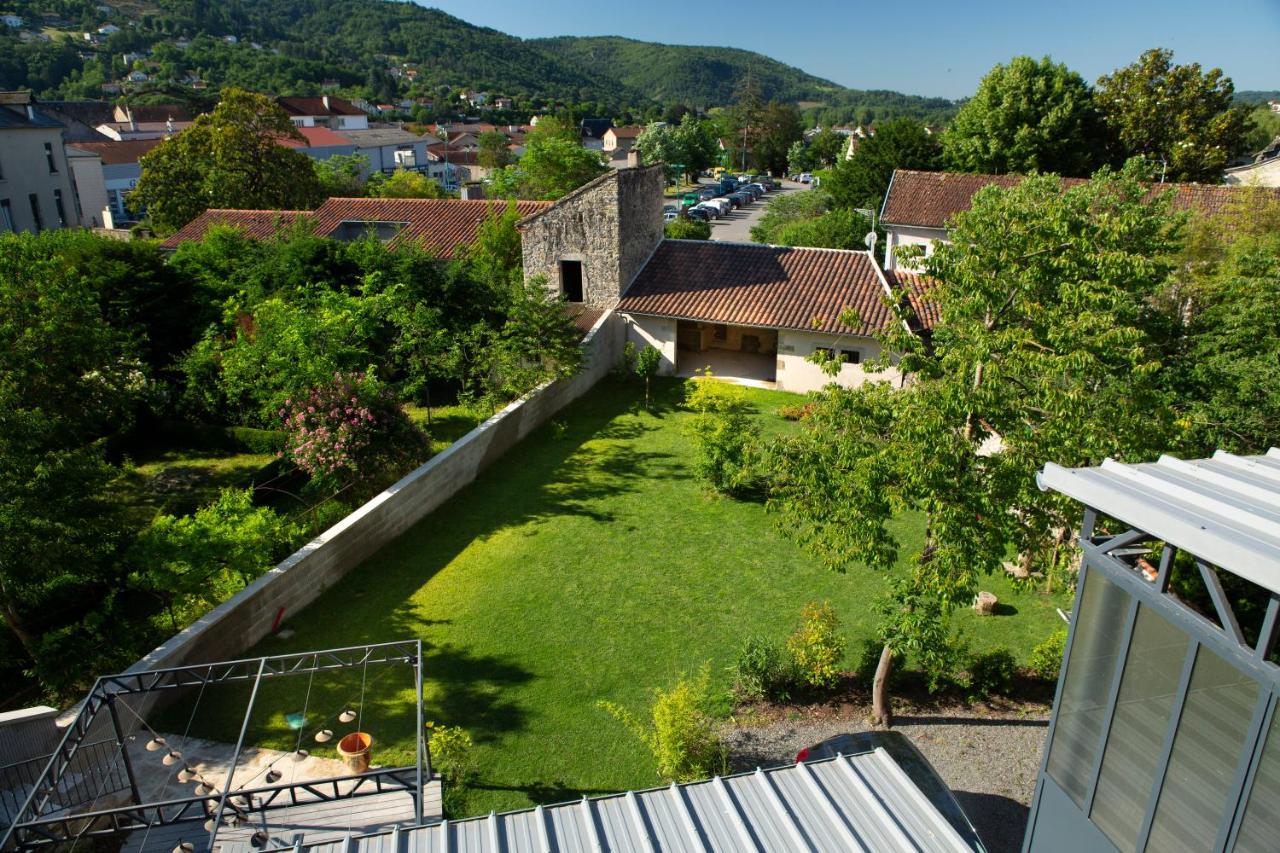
238	623
96	774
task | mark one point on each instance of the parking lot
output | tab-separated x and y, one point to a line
736	227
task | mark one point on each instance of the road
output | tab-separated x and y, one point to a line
736	227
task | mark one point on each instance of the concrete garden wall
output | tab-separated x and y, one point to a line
225	632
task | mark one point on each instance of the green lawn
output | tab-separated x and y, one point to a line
179	480
586	564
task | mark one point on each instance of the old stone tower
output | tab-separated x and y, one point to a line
590	244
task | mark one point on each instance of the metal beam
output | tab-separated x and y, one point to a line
235	758
1225	614
1251	753
124	751
1170	735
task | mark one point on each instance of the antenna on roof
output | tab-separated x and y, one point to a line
870	240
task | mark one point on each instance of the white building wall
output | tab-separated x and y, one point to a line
796	373
902	235
659	332
91	186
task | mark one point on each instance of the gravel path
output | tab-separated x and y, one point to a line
989	757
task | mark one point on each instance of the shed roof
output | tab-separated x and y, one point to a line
324	106
854	802
749	284
1225	509
381	136
931	199
118	152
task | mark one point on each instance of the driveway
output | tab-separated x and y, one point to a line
736	227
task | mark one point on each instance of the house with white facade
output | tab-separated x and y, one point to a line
749	312
919	206
389	148
36	189
325	111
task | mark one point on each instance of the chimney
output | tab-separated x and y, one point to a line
633	159
128	111
325	100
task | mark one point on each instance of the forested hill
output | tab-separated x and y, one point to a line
695	76
291	47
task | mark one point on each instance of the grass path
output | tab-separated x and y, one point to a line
587	564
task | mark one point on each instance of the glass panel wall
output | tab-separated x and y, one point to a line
1136	740
1095	652
1207	748
1260	828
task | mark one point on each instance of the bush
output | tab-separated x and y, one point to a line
254	440
450	750
1046	658
688	229
797	413
992	673
726	439
682	734
817	647
763	670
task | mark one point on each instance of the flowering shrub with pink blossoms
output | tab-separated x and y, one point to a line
349	429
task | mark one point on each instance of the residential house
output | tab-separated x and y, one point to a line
36	188
129	130
108	30
1262	171
452	167
442	225
320	143
620	139
593	131
80	119
10	20
503	103
919	205
389	148
137	76
105	174
152	113
1274	106
326	111
750	312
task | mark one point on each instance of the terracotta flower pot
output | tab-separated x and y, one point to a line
354	751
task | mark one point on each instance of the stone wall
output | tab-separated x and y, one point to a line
243	620
611	225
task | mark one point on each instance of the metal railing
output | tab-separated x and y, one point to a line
95	773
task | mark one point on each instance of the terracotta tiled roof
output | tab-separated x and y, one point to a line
115	153
630	131
441	225
584	318
930	199
259	224
159	112
317	137
317	107
915	288
754	285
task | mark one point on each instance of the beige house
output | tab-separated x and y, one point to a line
36	187
621	138
749	312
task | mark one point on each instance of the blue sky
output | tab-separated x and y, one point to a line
925	47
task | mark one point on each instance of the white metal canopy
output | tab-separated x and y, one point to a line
1225	509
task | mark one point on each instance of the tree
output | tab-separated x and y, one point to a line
827	147
863	180
342	175
231	157
684	228
697	145
780	126
405	184
1047	343
1175	116
657	143
554	163
494	151
800	158
1027	116
647	362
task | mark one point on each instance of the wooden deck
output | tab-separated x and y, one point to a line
319	821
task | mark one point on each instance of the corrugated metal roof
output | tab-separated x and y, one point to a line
1225	510
848	803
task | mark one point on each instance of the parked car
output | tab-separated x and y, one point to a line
740	199
768	183
698	213
712	211
757	185
670	208
725	206
913	764
690	199
805	178
669	215
753	191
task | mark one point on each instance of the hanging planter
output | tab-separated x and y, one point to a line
324	735
346	716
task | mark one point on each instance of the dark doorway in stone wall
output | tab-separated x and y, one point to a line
571	280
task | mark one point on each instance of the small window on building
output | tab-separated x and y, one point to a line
720	332
571	280
62	211
48	156
6	215
36	218
851	356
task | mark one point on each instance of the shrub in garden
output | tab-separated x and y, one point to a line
726	438
687	229
348	429
763	670
991	673
450	750
817	646
1046	657
797	413
681	733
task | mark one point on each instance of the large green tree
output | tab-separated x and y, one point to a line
1176	116
554	163
779	127
1028	116
863	179
1046	345
234	157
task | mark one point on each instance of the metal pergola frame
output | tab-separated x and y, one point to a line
33	827
1109	556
